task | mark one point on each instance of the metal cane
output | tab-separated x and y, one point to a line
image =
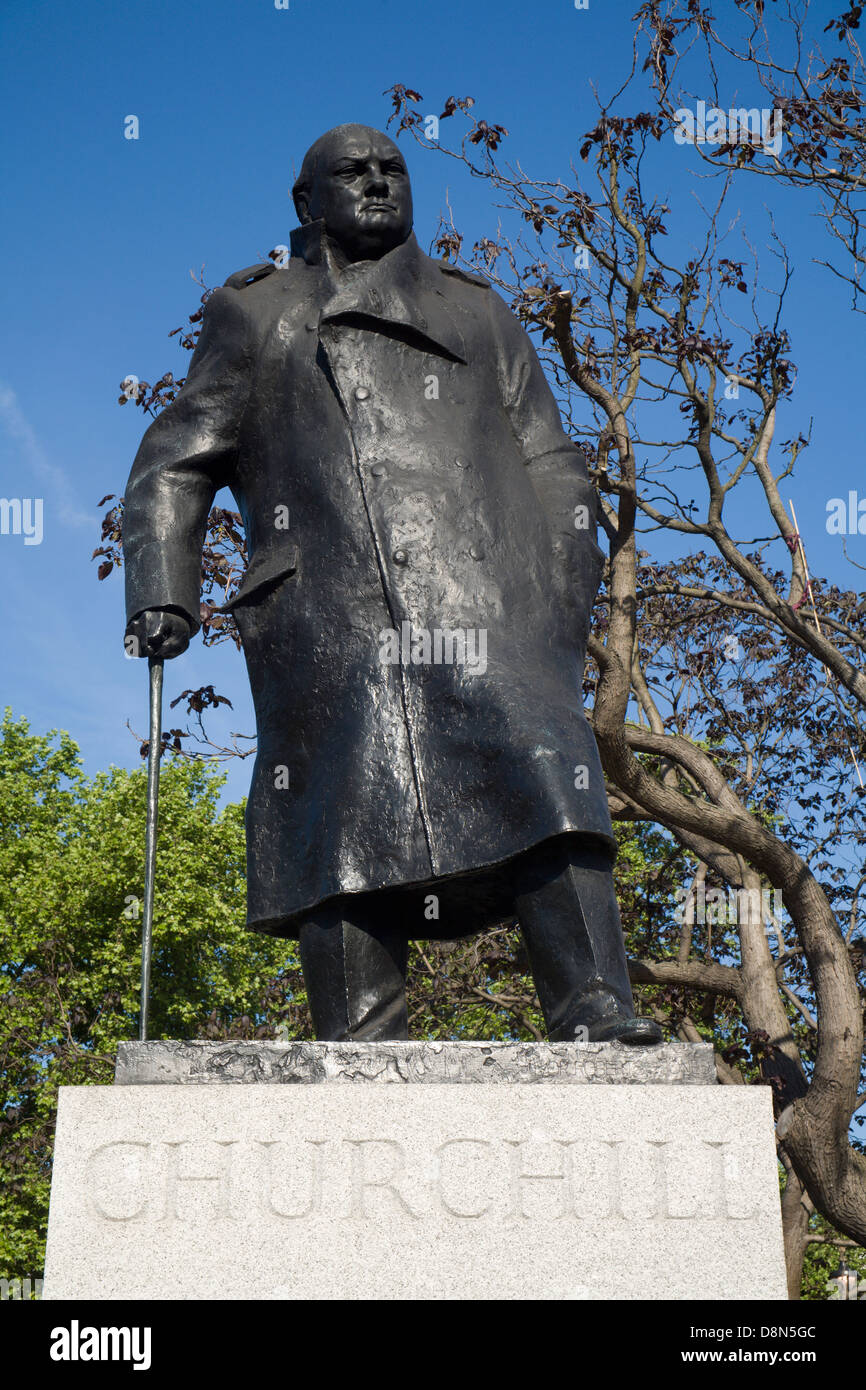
153	752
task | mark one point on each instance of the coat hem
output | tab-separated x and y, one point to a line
469	890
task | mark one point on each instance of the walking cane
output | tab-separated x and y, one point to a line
153	751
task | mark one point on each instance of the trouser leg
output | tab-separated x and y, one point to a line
566	904
355	972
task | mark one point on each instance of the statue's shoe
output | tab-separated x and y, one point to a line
639	1032
602	1015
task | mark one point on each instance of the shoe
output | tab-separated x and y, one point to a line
638	1032
600	1015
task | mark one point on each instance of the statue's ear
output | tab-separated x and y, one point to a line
301	199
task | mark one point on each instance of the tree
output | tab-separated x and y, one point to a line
824	1252
817	143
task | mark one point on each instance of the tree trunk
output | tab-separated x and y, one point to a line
796	1210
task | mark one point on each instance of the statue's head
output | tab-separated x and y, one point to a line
355	179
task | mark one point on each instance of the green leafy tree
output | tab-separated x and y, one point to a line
825	1250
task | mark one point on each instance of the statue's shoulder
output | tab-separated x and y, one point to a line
242	278
459	273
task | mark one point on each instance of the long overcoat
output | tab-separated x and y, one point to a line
422	563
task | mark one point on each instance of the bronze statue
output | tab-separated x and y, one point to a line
422	567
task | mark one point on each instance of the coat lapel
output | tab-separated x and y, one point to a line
401	290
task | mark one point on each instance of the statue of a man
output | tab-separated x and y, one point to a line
414	615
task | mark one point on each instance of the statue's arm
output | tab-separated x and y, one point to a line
187	454
556	466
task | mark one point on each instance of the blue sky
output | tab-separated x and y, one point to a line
99	234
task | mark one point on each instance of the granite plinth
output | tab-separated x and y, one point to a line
453	1063
523	1185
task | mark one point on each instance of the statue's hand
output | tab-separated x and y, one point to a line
157	632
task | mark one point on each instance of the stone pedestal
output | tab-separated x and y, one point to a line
414	1171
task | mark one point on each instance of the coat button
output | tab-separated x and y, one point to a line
361	393
311	327
400	557
477	552
461	463
379	470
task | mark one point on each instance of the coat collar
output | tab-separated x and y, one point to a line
403	288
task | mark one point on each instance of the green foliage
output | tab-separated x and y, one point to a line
823	1258
71	855
478	987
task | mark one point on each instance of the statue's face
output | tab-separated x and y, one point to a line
361	190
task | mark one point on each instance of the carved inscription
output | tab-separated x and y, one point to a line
368	1177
